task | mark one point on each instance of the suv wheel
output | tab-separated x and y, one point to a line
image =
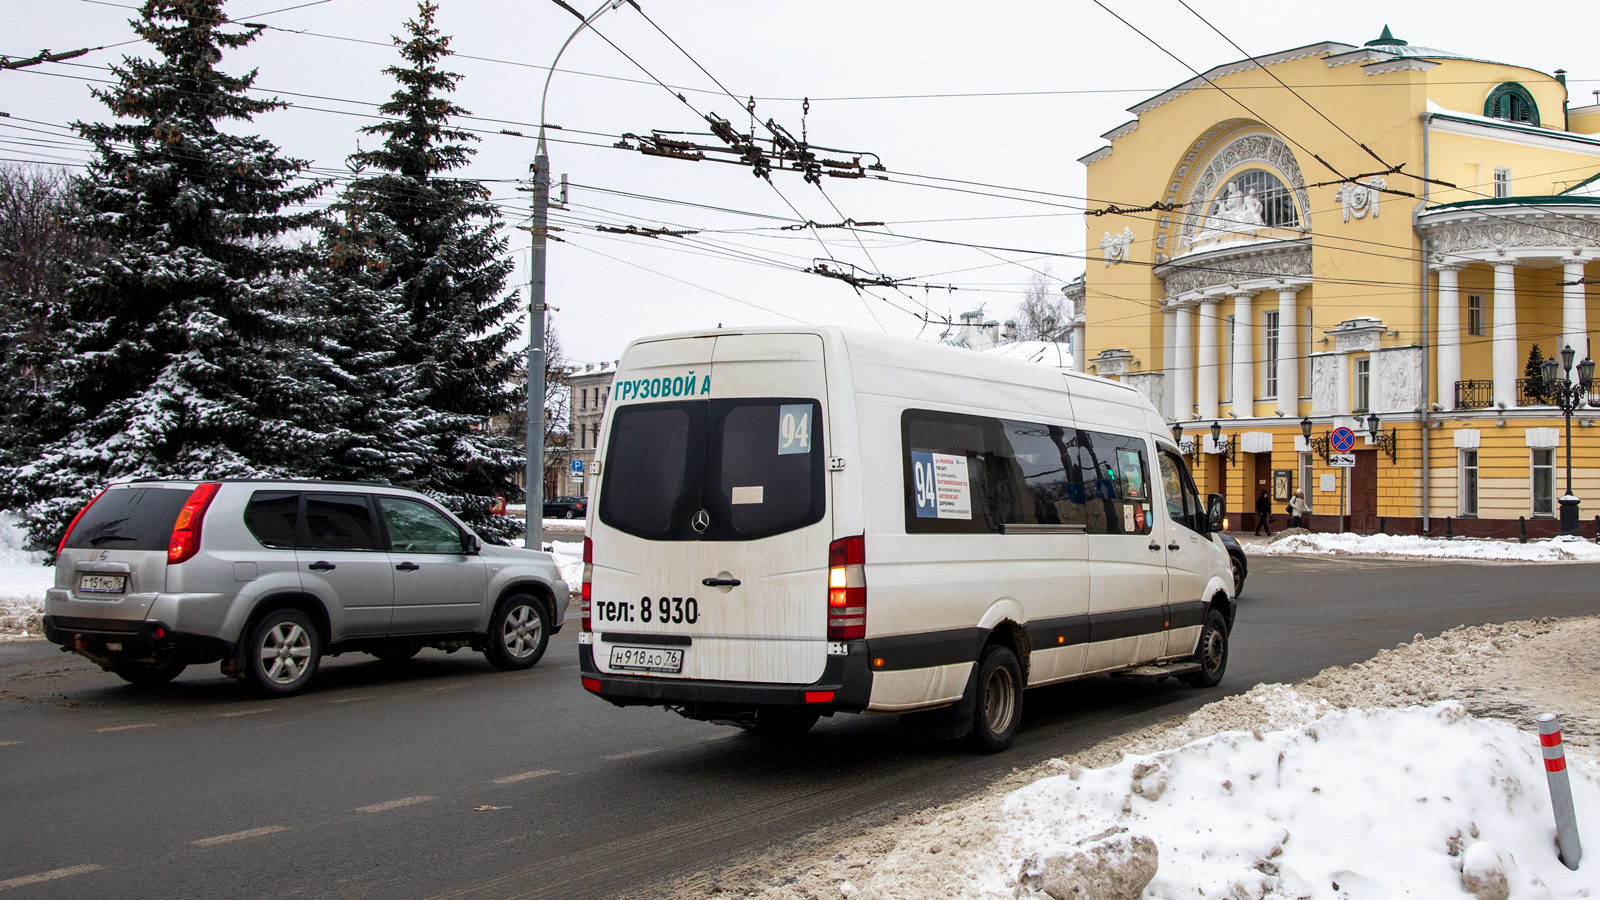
999	700
282	653
148	674
519	630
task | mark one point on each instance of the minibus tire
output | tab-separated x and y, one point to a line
148	674
998	710
1211	654
779	722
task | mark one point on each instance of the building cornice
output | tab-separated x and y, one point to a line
1241	265
1244	65
1512	133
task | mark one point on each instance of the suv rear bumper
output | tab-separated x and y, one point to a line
105	640
846	681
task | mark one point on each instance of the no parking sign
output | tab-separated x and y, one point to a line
1342	439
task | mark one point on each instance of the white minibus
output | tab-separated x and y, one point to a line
791	523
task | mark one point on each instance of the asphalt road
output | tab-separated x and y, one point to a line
445	778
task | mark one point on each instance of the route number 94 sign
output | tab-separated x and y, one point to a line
943	490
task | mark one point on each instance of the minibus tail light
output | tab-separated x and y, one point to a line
847	589
68	533
185	541
588	579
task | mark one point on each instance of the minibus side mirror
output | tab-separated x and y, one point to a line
1216	512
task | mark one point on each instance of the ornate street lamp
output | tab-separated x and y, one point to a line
1317	445
1386	442
1227	448
1570	396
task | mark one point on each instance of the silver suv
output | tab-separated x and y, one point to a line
270	576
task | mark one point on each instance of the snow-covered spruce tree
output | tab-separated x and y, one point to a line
374	433
446	263
183	352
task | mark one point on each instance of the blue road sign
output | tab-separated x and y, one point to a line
577	464
1342	439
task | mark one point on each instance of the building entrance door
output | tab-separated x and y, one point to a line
1364	493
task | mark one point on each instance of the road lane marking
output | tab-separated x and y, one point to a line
513	779
52	875
244	712
632	753
125	727
351	699
238	836
9	743
394	804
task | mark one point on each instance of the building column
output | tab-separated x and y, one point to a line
1244	369
1574	309
1169	350
1449	332
1080	348
1182	362
1288	351
1206	371
1504	339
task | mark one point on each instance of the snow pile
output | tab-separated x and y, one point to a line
1346	544
23	580
569	556
1357	804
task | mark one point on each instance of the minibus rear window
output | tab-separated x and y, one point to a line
136	518
755	466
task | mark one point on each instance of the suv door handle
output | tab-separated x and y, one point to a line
720	582
322	566
1174	546
408	567
1154	546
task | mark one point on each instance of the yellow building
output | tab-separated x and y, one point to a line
1334	232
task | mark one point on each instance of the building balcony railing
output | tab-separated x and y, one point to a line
1479	393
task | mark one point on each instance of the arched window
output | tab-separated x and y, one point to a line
1513	103
1254	197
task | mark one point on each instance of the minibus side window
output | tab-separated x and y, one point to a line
1116	481
1037	450
1172	489
975	474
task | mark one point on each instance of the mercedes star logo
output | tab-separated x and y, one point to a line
701	522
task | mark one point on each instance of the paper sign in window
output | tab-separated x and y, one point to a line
942	489
794	430
752	494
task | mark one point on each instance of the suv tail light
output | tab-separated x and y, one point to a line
847	589
588	577
185	541
68	533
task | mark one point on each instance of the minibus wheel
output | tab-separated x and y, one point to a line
1212	652
998	710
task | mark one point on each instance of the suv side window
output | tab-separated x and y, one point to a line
339	522
271	516
416	527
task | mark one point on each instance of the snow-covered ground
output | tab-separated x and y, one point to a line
23	580
1385	779
1553	550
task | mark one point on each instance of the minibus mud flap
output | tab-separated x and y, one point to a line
946	722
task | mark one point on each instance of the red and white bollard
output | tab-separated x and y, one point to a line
1555	771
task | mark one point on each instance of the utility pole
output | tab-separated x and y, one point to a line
533	536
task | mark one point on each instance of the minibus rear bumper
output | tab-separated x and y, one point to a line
845	686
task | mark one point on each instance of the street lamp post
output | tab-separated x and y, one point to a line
1570	396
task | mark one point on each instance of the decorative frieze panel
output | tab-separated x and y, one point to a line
1113	362
1500	235
1397	380
1289	260
1325	371
1148	384
1357	335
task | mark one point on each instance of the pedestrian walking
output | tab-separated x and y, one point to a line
1298	509
1263	514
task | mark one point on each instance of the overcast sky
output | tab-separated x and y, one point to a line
1070	68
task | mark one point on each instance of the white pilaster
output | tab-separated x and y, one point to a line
1288	351
1206	371
1080	349
1449	332
1183	362
1574	312
1244	370
1504	339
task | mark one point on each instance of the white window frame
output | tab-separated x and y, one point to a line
1547	470
1475	320
1307	473
1362	399
1502	181
1467	500
1269	354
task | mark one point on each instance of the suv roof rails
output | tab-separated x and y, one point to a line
269	481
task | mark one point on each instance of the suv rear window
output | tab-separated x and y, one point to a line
133	518
755	465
